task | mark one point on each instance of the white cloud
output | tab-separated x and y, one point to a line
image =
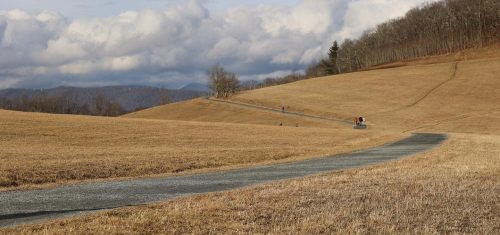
364	14
17	14
125	63
155	47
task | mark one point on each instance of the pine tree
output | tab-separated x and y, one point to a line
333	54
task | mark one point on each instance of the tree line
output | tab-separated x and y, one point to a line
63	104
434	28
225	84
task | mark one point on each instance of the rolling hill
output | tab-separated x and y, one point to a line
431	93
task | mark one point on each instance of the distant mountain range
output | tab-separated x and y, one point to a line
129	97
196	87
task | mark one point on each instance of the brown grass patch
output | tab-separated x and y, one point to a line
453	189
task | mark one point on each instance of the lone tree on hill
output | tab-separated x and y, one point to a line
333	55
223	83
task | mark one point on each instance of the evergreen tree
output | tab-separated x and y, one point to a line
333	54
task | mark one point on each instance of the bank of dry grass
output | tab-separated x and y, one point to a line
453	189
39	149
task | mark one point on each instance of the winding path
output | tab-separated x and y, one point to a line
28	206
247	105
453	74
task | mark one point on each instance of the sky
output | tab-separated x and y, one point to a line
171	43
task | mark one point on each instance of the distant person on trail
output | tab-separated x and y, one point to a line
283	109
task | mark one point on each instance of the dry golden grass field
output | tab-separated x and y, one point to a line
40	149
452	189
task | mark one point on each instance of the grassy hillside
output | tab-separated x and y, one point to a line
422	94
404	98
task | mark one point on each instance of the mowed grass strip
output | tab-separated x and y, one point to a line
452	189
39	149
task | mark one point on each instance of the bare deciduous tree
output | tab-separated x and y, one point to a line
223	83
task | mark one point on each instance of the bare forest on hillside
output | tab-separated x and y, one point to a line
435	28
97	101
